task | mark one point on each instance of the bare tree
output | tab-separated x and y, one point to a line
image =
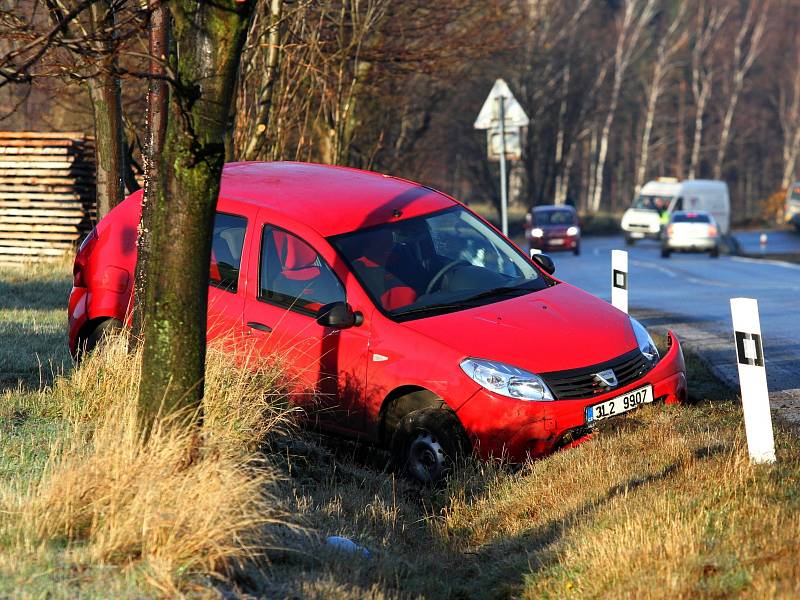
708	23
669	45
746	49
208	38
635	16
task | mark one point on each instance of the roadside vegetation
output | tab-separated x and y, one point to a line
661	503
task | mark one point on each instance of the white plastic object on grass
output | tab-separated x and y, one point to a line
344	544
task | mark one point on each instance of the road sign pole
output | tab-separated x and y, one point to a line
503	177
753	380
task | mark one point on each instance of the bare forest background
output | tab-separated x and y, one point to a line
618	91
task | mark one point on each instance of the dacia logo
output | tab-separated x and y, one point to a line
607	378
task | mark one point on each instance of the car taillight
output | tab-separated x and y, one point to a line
82	258
670	229
712	230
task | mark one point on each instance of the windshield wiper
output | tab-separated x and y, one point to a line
499	291
468	302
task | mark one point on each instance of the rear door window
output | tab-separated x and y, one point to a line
294	275
227	242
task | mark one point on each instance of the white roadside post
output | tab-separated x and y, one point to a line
619	279
753	380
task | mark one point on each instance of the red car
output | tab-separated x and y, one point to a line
416	324
553	227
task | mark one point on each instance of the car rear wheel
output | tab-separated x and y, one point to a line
100	332
665	252
629	240
577	250
426	444
715	252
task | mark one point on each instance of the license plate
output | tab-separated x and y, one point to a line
637	234
555	241
620	404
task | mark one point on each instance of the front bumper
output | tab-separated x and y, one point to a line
514	429
559	242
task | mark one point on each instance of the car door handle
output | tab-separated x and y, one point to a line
259	326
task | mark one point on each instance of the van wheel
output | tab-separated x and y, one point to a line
665	252
427	443
97	335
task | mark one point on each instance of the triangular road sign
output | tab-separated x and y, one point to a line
489	117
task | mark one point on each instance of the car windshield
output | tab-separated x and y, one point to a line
652	202
554	217
437	263
691	218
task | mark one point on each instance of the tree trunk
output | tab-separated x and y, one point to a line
106	97
208	39
157	114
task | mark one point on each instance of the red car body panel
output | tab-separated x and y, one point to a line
554	329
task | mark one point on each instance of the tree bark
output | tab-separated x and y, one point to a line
106	97
157	115
208	39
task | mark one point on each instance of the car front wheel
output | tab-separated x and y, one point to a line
427	443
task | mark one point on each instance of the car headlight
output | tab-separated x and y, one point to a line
646	344
506	380
537	232
573	230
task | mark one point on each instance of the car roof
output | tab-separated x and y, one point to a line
329	199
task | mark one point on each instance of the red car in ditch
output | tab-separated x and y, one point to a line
415	322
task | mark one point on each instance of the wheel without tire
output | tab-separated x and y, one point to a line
426	444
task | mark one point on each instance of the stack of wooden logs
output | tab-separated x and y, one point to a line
47	194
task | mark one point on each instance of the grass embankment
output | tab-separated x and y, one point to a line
661	503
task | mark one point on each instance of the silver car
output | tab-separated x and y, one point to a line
690	232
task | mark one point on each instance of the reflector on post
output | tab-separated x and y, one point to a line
619	279
753	380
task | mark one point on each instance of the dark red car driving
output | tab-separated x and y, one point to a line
553	227
408	319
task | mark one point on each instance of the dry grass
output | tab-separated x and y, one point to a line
661	503
176	507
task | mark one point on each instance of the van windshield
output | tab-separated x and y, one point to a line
437	263
658	203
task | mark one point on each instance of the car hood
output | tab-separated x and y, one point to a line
561	327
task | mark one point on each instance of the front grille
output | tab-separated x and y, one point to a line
582	383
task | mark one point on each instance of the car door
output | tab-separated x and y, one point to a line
290	281
227	281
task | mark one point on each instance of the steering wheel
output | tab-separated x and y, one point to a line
441	272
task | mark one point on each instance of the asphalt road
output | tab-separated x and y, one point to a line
690	294
782	241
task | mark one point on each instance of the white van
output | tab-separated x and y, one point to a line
658	199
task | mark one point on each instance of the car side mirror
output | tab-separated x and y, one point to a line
545	262
339	315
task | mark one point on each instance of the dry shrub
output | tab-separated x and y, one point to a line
183	503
